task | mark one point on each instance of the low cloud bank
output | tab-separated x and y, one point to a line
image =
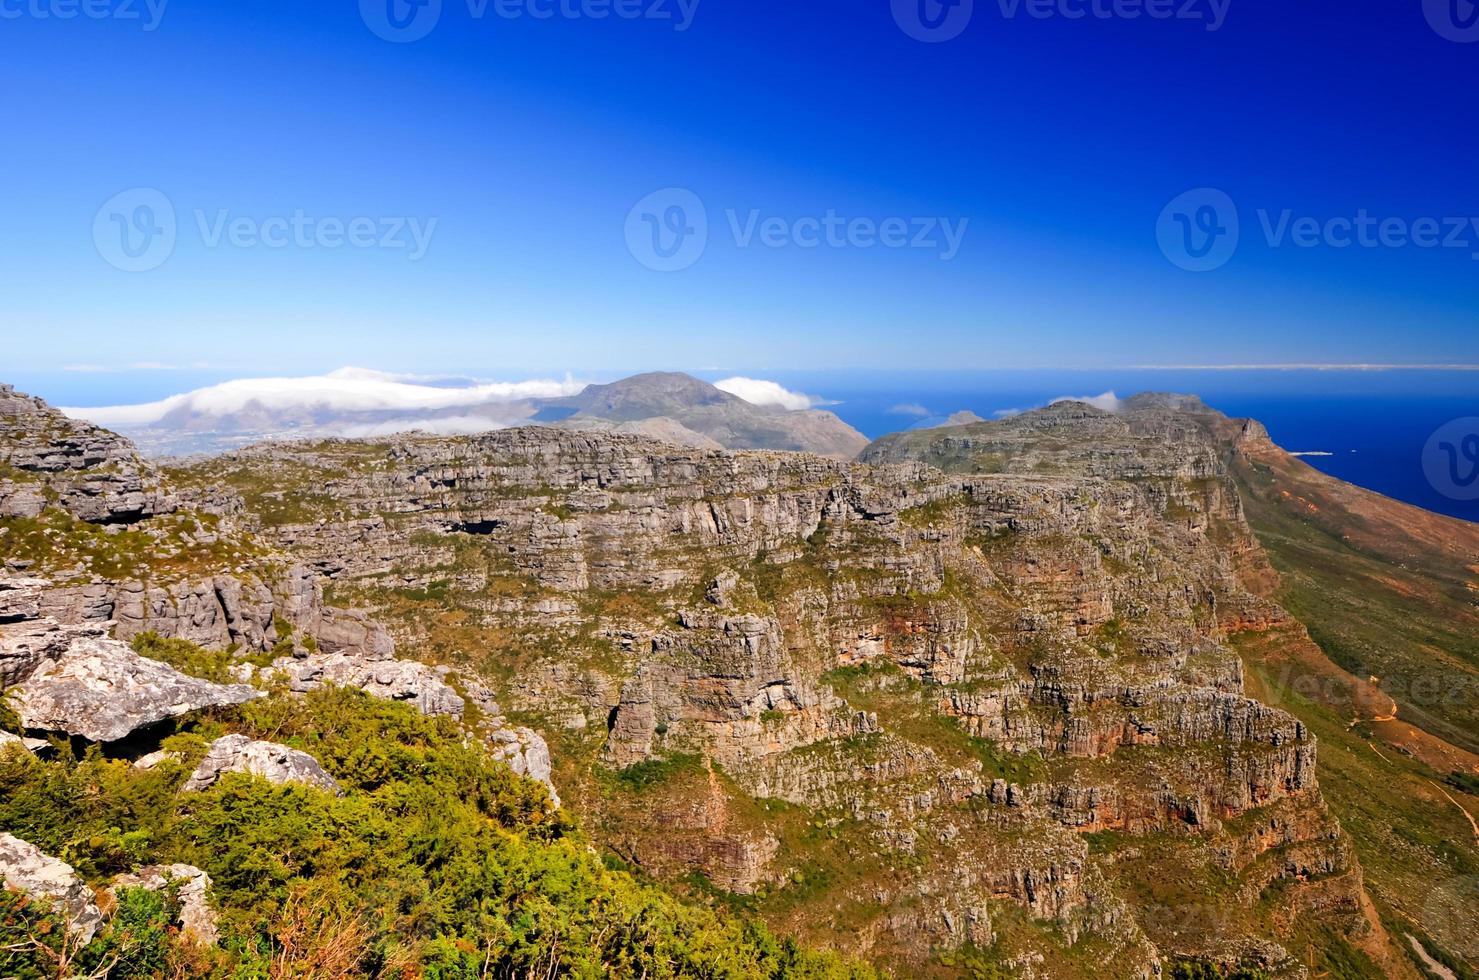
760	392
346	390
1107	402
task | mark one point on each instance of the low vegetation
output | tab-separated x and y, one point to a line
437	862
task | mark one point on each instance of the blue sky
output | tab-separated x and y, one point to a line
520	146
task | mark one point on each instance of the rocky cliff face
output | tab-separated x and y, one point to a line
890	699
47	458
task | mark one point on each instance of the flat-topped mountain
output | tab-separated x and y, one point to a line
699	407
353	403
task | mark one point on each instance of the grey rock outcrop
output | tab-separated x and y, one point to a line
24	868
196	919
524	749
393	680
91	473
244	611
101	690
275	763
25	744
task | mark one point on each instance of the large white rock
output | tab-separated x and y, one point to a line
197	921
25	744
24	868
393	680
273	762
102	691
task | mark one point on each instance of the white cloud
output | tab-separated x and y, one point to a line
345	390
759	392
910	408
1107	402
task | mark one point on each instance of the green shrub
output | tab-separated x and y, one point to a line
186	657
436	861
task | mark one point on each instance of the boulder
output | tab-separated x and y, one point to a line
196	920
393	680
101	690
24	868
24	744
275	763
526	753
20	599
26	645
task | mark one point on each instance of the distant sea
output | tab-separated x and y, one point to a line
1374	424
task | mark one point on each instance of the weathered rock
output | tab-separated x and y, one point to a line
526	753
20	599
393	680
24	868
8	740
524	749
101	690
90	472
26	646
192	887
223	611
275	763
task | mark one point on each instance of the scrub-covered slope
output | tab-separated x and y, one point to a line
255	786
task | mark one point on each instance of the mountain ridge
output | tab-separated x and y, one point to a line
912	712
360	404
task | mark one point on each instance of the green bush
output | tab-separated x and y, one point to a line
437	861
186	657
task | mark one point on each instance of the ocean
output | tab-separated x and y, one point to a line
1377	426
1374	428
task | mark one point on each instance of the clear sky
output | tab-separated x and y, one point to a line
518	148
